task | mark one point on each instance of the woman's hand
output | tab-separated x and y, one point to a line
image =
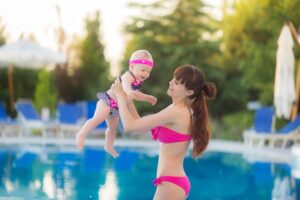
116	87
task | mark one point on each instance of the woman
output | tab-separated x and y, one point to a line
184	120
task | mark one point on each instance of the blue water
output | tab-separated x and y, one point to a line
92	174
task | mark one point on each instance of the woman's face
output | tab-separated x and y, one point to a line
176	89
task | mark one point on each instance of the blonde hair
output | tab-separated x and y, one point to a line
141	54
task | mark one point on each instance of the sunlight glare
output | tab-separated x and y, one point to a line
49	185
109	190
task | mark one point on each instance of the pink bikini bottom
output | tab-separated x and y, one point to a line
181	181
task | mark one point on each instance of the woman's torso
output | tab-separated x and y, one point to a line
171	155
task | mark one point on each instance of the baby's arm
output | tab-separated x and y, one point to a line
139	96
136	95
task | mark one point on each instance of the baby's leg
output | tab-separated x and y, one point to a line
110	135
100	114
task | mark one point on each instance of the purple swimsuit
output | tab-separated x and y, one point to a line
114	111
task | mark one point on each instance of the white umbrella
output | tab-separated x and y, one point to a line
27	54
284	91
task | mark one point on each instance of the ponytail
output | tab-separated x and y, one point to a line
193	79
200	128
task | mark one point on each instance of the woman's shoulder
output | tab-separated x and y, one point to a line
176	111
181	111
179	108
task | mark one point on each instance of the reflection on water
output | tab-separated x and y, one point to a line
282	189
109	190
49	184
92	174
9	186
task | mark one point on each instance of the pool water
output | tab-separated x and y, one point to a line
92	174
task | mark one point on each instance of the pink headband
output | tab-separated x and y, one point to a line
142	61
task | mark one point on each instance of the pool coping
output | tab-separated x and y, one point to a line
249	153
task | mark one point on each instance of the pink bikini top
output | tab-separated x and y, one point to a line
166	135
136	84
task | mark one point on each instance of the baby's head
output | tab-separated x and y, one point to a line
141	64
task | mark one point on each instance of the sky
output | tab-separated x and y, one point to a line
40	18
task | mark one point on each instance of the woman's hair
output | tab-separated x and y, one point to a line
141	54
193	79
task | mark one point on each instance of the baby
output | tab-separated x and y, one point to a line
140	66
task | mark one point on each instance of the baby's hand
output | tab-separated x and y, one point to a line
152	100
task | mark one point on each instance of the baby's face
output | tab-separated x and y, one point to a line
141	71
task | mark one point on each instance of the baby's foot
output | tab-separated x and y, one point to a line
111	151
80	141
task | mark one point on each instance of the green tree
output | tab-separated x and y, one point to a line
45	93
249	43
3	72
180	33
92	74
2	33
250	34
87	70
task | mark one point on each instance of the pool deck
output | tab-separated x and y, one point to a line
251	154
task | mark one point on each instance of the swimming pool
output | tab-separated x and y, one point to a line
50	173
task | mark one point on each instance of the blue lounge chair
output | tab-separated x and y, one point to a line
70	119
26	110
90	108
288	135
8	126
29	118
263	125
3	116
266	137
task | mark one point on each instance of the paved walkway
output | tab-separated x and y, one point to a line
250	154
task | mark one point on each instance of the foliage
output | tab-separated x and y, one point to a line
24	81
230	126
249	44
3	91
45	93
88	71
2	33
176	36
238	53
93	71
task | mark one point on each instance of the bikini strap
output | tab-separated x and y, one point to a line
132	75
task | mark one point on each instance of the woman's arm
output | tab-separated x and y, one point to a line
139	96
133	110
